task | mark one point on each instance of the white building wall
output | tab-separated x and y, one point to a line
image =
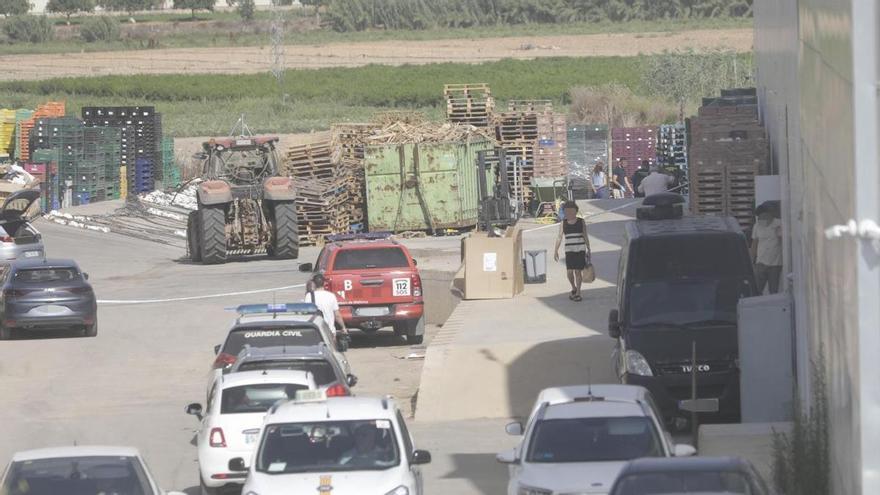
812	68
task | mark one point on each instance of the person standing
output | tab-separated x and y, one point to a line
600	181
655	183
638	176
767	250
577	248
620	183
326	303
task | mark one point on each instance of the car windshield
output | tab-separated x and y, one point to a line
361	259
321	370
256	398
42	275
593	440
300	336
686	279
77	476
697	482
328	446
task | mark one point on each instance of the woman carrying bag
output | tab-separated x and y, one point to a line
573	230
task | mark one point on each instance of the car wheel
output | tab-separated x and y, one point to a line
415	331
400	328
91	330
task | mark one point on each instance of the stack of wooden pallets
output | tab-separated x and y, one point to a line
550	154
727	149
328	177
469	104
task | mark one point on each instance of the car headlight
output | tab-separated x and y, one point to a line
530	490
637	364
400	490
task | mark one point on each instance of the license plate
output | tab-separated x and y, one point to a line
50	309
373	311
31	254
401	287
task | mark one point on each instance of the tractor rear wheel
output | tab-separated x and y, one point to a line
212	235
285	238
192	237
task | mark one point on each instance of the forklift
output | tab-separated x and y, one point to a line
497	208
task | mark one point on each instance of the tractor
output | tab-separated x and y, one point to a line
244	206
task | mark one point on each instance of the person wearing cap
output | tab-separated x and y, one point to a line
766	249
326	303
656	182
573	230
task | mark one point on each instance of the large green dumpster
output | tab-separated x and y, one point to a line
427	186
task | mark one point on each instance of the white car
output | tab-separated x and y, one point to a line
79	469
578	439
231	420
338	445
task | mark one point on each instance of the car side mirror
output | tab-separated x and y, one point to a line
351	380
507	457
217	349
514	429
614	324
236	465
421	457
85	275
415	262
306	267
194	409
683	450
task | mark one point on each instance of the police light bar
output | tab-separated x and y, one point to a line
368	236
294	308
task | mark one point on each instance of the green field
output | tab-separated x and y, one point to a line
196	105
189	39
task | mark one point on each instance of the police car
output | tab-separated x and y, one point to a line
233	415
275	325
578	439
338	445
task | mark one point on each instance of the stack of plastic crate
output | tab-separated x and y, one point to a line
140	142
7	132
170	170
24	126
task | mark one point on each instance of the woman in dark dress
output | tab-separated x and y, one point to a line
573	231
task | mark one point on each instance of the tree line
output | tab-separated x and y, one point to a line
359	15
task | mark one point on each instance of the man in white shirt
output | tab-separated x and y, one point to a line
326	303
767	250
655	182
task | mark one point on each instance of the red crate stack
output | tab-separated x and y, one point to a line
634	145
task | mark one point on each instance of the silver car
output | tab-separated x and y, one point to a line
18	238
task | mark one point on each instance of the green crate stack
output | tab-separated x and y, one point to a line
170	170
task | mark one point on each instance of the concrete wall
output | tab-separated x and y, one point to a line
812	93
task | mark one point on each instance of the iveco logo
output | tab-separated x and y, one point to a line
702	368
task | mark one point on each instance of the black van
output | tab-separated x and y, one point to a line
679	282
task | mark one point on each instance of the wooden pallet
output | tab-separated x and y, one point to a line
469	104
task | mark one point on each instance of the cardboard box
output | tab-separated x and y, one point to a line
493	267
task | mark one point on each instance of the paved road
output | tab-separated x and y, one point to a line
130	384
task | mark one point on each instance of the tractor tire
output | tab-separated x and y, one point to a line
192	237
212	235
285	238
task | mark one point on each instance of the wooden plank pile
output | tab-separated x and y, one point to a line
470	104
329	194
727	149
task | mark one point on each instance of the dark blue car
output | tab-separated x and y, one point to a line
689	475
48	294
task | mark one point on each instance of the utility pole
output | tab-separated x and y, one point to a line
276	36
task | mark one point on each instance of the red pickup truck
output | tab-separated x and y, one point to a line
376	282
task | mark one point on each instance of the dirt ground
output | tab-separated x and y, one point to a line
258	59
